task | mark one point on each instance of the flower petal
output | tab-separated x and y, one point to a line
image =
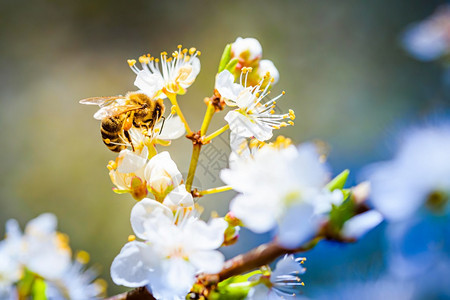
359	225
179	197
227	88
246	127
207	261
173	128
132	267
298	226
145	210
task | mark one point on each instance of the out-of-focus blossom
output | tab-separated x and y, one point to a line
430	38
253	117
175	74
44	253
76	283
11	269
283	283
44	250
283	186
267	66
176	248
360	224
417	180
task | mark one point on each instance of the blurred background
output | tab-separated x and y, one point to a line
346	76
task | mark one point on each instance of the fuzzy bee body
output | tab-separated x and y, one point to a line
120	114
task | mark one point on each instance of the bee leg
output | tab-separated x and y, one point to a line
162	125
127	135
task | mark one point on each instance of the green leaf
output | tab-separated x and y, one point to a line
338	182
236	287
232	65
340	214
226	56
38	289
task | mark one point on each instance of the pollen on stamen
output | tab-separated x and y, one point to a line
180	46
131	237
192	50
283	93
283	124
111	165
131	62
291	123
199	53
272	112
83	257
156	60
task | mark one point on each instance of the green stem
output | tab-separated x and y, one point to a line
210	110
173	100
215	190
216	133
193	166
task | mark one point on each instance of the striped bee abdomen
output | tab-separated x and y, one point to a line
111	130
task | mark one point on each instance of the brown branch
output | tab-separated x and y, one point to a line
255	258
140	293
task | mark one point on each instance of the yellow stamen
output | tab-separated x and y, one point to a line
199	53
283	92
272	112
83	257
192	50
131	62
291	123
131	237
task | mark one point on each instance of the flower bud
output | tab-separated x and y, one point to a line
247	50
162	175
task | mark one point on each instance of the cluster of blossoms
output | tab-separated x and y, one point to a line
283	189
38	262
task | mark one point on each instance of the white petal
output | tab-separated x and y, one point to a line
256	216
130	162
13	231
173	129
243	126
245	98
150	84
226	87
133	266
298	226
179	197
360	224
266	65
207	236
173	279
207	261
286	266
144	210
44	224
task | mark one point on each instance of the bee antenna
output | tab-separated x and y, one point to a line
162	125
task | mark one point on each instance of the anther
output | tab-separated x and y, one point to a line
131	237
192	50
131	62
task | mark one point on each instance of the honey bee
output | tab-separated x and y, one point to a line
120	113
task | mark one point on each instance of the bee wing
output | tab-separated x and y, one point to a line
101	101
113	110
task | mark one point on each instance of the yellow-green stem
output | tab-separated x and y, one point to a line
210	110
215	190
216	133
173	100
193	166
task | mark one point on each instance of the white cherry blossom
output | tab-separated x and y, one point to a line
176	73
282	187
254	117
176	248
417	180
283	283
